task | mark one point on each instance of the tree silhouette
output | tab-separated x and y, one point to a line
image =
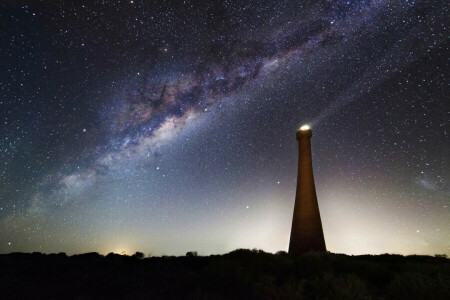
138	255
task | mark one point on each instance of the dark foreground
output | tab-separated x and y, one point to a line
241	274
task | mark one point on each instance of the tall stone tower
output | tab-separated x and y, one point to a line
306	232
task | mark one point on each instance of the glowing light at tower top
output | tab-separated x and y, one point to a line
305	127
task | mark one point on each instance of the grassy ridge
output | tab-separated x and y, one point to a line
241	274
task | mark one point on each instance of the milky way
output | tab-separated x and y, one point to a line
170	127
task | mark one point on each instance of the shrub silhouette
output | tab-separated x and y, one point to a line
138	255
240	274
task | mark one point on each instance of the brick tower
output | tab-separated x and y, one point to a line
306	232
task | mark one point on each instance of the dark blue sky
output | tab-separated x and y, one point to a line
166	127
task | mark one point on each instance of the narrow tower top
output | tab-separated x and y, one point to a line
305	131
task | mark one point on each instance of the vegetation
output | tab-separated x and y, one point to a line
139	255
241	274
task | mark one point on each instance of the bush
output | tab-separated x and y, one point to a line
241	274
139	255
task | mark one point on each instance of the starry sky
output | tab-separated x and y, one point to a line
169	126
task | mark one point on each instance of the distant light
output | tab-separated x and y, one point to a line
305	127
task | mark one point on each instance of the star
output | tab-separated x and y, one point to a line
220	113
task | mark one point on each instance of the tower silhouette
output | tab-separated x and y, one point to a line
306	232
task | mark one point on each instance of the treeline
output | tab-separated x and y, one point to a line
241	274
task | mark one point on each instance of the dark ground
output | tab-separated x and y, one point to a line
241	274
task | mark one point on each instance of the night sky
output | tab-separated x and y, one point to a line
169	126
